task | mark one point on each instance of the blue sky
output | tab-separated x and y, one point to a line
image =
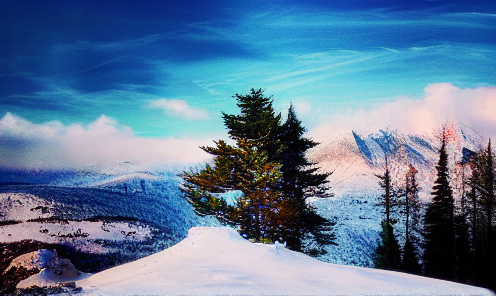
162	69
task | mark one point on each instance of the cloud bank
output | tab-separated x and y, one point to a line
52	145
441	103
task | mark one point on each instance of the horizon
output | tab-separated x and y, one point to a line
84	80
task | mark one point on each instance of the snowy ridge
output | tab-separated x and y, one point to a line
137	211
354	160
124	178
103	219
217	261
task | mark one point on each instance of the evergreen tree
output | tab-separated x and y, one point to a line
257	121
482	220
242	168
387	196
268	166
387	254
439	252
462	248
297	176
410	262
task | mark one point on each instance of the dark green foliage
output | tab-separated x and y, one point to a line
481	219
257	121
462	247
269	167
241	168
439	252
390	196
410	260
387	254
297	178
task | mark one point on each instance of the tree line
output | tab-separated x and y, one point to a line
458	238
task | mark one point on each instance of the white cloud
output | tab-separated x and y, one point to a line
441	102
303	107
179	108
52	145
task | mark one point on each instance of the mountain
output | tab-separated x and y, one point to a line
355	159
109	215
218	261
102	217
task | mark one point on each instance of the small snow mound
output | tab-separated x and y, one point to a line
55	271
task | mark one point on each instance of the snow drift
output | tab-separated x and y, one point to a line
217	261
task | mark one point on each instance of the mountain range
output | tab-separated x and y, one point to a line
109	215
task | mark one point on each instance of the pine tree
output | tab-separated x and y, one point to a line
388	197
462	248
297	176
388	255
268	166
410	262
482	224
439	252
257	121
243	168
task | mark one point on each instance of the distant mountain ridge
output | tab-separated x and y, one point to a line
144	209
355	159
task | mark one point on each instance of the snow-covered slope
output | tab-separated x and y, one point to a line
140	210
102	216
354	160
217	261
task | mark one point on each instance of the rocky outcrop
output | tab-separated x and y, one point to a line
54	270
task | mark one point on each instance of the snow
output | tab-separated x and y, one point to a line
217	261
231	197
121	179
32	260
58	231
54	270
22	207
46	278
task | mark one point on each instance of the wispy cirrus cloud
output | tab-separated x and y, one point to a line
53	145
179	108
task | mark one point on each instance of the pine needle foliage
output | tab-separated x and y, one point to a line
481	218
410	260
268	165
439	253
388	254
298	176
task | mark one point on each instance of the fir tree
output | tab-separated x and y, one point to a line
243	168
268	166
391	194
482	209
257	121
439	252
462	248
298	175
387	254
410	262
